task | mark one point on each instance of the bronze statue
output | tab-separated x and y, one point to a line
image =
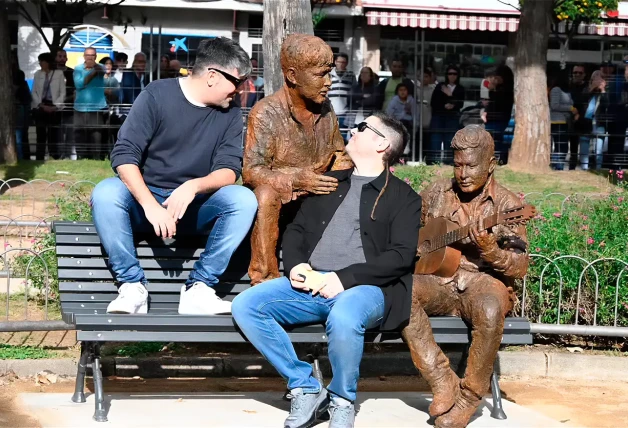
479	286
292	139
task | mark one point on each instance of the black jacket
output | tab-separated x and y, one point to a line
359	100
389	242
439	99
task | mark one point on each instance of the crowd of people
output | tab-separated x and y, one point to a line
77	112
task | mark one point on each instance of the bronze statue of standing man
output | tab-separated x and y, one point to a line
292	139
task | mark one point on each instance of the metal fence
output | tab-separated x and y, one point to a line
28	265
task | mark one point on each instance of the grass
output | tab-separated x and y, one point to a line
35	311
91	170
11	352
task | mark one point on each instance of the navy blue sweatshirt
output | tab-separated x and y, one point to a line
173	141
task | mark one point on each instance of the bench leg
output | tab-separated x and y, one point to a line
498	409
100	415
79	387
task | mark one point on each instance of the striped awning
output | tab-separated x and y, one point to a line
446	21
443	21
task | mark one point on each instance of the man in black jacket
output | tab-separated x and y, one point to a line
363	237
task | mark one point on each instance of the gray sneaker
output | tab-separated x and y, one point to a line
305	409
341	416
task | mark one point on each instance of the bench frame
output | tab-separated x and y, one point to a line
86	285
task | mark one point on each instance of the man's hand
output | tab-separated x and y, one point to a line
449	106
446	90
179	200
331	286
162	221
485	241
483	116
314	183
297	281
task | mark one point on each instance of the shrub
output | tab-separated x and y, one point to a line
42	259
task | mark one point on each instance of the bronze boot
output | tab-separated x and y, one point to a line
431	362
467	402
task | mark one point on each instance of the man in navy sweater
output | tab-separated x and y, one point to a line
177	158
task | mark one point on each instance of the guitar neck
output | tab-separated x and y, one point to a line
460	233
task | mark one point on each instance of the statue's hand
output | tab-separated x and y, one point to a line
314	183
485	241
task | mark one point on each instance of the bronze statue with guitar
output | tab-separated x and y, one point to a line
472	248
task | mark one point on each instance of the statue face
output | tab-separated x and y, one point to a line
314	83
472	168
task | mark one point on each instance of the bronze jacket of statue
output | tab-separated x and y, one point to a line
278	145
441	200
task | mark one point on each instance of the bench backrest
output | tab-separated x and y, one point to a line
86	284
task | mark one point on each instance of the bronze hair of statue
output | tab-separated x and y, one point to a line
478	289
292	139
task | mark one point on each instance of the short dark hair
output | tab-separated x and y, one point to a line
223	53
47	57
396	133
121	57
342	55
104	60
401	85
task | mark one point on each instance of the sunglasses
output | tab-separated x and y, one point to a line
235	80
362	126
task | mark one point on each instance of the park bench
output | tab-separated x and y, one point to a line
86	287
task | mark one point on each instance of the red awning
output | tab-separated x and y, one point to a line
479	23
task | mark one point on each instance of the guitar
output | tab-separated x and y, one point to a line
436	257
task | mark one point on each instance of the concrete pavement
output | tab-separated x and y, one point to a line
260	409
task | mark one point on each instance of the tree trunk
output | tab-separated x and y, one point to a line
531	145
7	117
280	19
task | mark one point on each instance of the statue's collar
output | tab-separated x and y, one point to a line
285	97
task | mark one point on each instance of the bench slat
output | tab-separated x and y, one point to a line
174	263
151	275
153	287
88	298
185	242
97	251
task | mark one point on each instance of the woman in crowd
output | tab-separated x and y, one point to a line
363	97
22	100
47	102
447	100
164	67
594	121
498	109
562	114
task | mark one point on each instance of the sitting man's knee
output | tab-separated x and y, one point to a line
108	192
240	307
343	324
491	309
267	197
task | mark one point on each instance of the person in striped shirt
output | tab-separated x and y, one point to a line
342	80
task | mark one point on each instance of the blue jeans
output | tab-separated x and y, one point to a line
262	311
597	138
229	212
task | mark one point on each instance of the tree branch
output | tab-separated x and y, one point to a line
101	5
26	15
508	4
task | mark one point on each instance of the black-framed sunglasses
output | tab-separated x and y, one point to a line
364	125
235	80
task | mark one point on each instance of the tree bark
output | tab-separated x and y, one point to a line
280	19
531	145
7	117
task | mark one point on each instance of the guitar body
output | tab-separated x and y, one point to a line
443	262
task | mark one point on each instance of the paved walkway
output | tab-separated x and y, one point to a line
267	409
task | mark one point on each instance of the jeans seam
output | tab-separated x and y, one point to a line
265	318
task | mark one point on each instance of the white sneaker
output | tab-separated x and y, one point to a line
133	299
202	300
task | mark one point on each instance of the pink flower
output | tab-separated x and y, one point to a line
585	227
615	207
62	184
402	161
537	250
610	171
392	169
6	245
620	199
32	241
407	180
590	241
558	215
584	217
625	305
602	244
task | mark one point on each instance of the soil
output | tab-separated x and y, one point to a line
574	403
